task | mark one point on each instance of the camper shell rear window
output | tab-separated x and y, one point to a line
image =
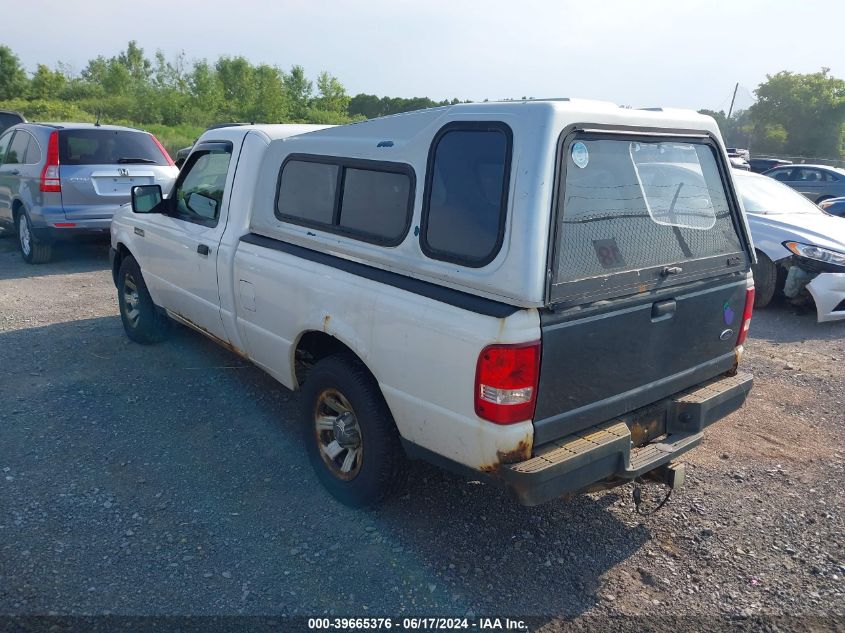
637	212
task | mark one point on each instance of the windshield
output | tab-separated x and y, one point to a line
108	147
626	206
765	196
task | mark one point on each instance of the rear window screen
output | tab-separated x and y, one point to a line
108	147
467	195
307	191
375	203
629	205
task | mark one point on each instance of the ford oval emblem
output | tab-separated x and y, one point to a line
724	336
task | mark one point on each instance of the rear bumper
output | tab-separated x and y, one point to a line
607	451
80	228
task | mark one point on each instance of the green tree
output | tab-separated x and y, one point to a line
269	98
332	95
300	91
236	79
133	59
808	108
46	83
13	80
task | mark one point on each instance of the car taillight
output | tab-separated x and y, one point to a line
163	151
50	177
746	316
506	380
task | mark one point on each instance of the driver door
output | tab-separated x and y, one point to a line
180	246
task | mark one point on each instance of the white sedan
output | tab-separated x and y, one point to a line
798	245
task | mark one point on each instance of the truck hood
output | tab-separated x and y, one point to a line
769	232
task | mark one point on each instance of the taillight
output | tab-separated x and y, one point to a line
746	316
50	178
163	151
506	382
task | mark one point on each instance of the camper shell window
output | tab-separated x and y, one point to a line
368	200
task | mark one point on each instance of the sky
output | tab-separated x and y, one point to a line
678	53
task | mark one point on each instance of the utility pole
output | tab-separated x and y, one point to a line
731	109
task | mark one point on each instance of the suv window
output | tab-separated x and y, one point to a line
628	206
17	150
374	203
5	139
466	193
8	119
198	195
108	147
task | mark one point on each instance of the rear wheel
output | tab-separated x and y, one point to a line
32	250
765	280
350	436
142	320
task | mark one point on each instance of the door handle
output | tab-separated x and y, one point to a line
203	249
139	232
15	172
663	310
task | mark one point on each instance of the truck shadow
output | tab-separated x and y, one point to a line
68	257
198	457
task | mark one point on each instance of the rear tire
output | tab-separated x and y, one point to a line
32	250
765	280
143	321
341	401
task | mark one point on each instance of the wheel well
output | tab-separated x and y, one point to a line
17	205
314	346
121	253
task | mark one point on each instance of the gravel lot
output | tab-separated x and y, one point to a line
170	480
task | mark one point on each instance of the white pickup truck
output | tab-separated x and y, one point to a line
553	295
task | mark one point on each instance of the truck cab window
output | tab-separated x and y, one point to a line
198	195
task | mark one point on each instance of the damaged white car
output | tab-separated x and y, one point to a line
799	247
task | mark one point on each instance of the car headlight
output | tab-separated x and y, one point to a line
816	252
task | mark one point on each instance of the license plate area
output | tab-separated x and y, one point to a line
647	424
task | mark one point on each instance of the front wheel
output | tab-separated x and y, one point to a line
351	438
143	322
32	250
765	275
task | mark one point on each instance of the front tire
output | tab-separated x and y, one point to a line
143	322
765	280
32	250
350	436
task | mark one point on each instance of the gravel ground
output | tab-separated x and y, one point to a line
170	480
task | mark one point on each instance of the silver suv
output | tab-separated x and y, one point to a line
66	180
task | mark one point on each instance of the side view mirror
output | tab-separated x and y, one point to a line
147	199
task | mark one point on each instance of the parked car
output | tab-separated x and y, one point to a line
182	154
834	206
759	165
816	182
799	246
454	291
65	180
8	119
737	162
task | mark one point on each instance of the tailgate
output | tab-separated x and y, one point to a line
96	191
648	278
601	366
